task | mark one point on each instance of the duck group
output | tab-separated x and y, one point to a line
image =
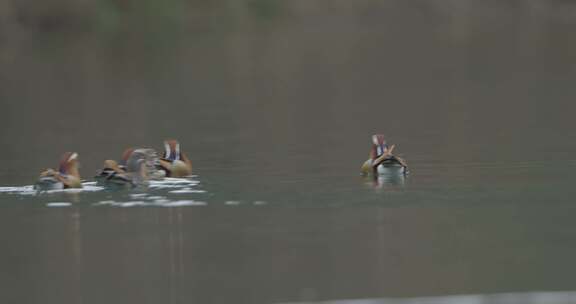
136	167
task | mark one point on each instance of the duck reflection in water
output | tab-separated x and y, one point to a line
388	182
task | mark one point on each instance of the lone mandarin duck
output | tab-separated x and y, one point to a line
174	162
381	160
66	177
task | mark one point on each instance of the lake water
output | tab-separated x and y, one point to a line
275	103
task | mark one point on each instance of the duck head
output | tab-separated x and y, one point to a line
172	150
137	169
126	155
112	165
379	146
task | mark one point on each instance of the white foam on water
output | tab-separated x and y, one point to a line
90	187
180	179
132	204
170	185
260	203
232	203
155	203
161	201
29	190
156	197
171	182
23	190
71	190
180	185
59	204
13	189
187	190
548	297
175	181
167	186
121	204
86	187
184	203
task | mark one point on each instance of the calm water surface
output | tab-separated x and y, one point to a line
275	102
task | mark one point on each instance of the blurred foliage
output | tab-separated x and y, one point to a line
108	16
148	16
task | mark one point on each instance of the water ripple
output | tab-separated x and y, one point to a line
152	203
156	193
29	189
169	192
59	204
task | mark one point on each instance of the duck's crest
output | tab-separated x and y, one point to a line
126	155
171	149
378	139
378	145
66	161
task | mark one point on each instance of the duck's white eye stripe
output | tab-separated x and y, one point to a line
73	156
167	150
375	139
177	151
